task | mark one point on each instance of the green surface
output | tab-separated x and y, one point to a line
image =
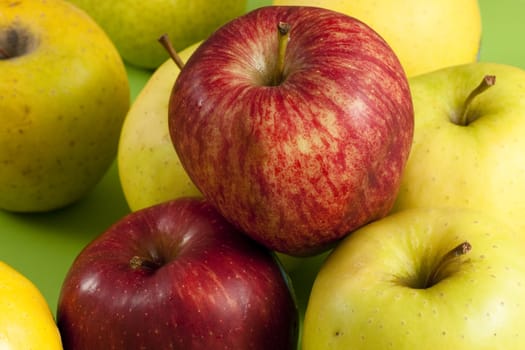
43	246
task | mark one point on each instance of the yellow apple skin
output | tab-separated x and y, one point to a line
25	319
426	35
62	105
149	169
480	165
371	293
134	26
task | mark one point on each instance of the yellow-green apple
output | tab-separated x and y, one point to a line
149	169
26	322
176	275
426	35
421	279
63	97
468	141
296	123
135	26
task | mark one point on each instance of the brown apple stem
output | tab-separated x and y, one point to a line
4	54
466	118
450	257
283	30
166	42
137	262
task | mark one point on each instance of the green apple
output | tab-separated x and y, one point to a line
63	97
134	26
468	148
426	35
428	279
149	169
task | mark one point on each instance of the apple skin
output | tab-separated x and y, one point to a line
26	322
409	27
63	99
213	288
299	163
370	292
150	171
134	26
480	165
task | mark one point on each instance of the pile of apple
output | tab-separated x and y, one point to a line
291	134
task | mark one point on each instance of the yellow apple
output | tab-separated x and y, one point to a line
149	169
468	148
426	35
428	279
64	94
26	321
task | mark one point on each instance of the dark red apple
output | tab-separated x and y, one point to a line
296	123
176	276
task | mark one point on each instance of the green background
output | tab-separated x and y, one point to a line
43	246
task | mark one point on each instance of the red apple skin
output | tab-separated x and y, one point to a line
299	164
213	288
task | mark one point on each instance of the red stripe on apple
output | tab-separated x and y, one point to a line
298	163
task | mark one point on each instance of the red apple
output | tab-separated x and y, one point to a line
176	276
297	138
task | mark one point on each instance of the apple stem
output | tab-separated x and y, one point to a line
166	43
4	54
447	259
465	117
137	262
283	30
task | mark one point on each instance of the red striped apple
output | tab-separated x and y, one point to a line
296	123
176	276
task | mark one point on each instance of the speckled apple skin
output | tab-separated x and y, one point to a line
299	165
213	288
479	166
61	106
368	294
